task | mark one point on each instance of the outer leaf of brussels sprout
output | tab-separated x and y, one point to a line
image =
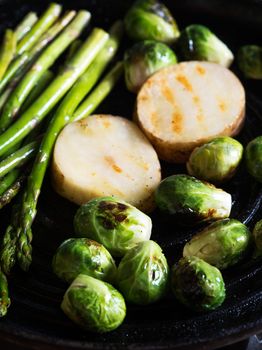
192	200
143	274
150	19
143	59
94	305
83	256
221	244
114	223
249	60
197	42
197	284
217	160
253	155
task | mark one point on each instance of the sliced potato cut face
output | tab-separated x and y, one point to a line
185	105
105	155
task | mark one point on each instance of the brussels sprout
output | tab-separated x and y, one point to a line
94	305
197	284
150	19
249	60
197	42
143	274
253	155
116	224
217	160
222	244
192	200
78	256
143	59
257	235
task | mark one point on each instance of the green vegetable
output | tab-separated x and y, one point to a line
215	161
114	223
25	25
21	64
222	244
197	285
18	158
7	51
151	19
56	90
253	157
257	236
7	180
143	274
143	59
45	21
78	256
192	200
12	191
4	297
43	62
249	60
197	42
94	305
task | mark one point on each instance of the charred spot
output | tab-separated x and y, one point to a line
104	205
120	217
190	284
111	214
121	206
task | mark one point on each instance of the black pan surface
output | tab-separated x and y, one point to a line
35	320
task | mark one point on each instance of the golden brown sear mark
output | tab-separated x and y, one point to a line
177	122
114	166
184	81
200	70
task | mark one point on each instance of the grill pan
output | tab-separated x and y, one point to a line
35	320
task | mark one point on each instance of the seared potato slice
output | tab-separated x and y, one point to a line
105	155
185	105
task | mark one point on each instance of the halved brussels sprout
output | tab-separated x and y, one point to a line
197	284
114	223
222	244
249	60
78	256
192	200
151	19
216	160
94	305
143	59
253	155
197	42
143	274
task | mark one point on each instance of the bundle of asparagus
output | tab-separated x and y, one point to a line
30	88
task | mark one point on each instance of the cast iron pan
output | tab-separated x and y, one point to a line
35	320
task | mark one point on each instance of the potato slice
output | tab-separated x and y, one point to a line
185	105
105	155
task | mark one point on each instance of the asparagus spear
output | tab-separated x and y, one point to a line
7	51
18	158
12	191
44	22
25	25
21	63
56	90
35	179
40	86
99	94
8	180
46	59
8	246
4	297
